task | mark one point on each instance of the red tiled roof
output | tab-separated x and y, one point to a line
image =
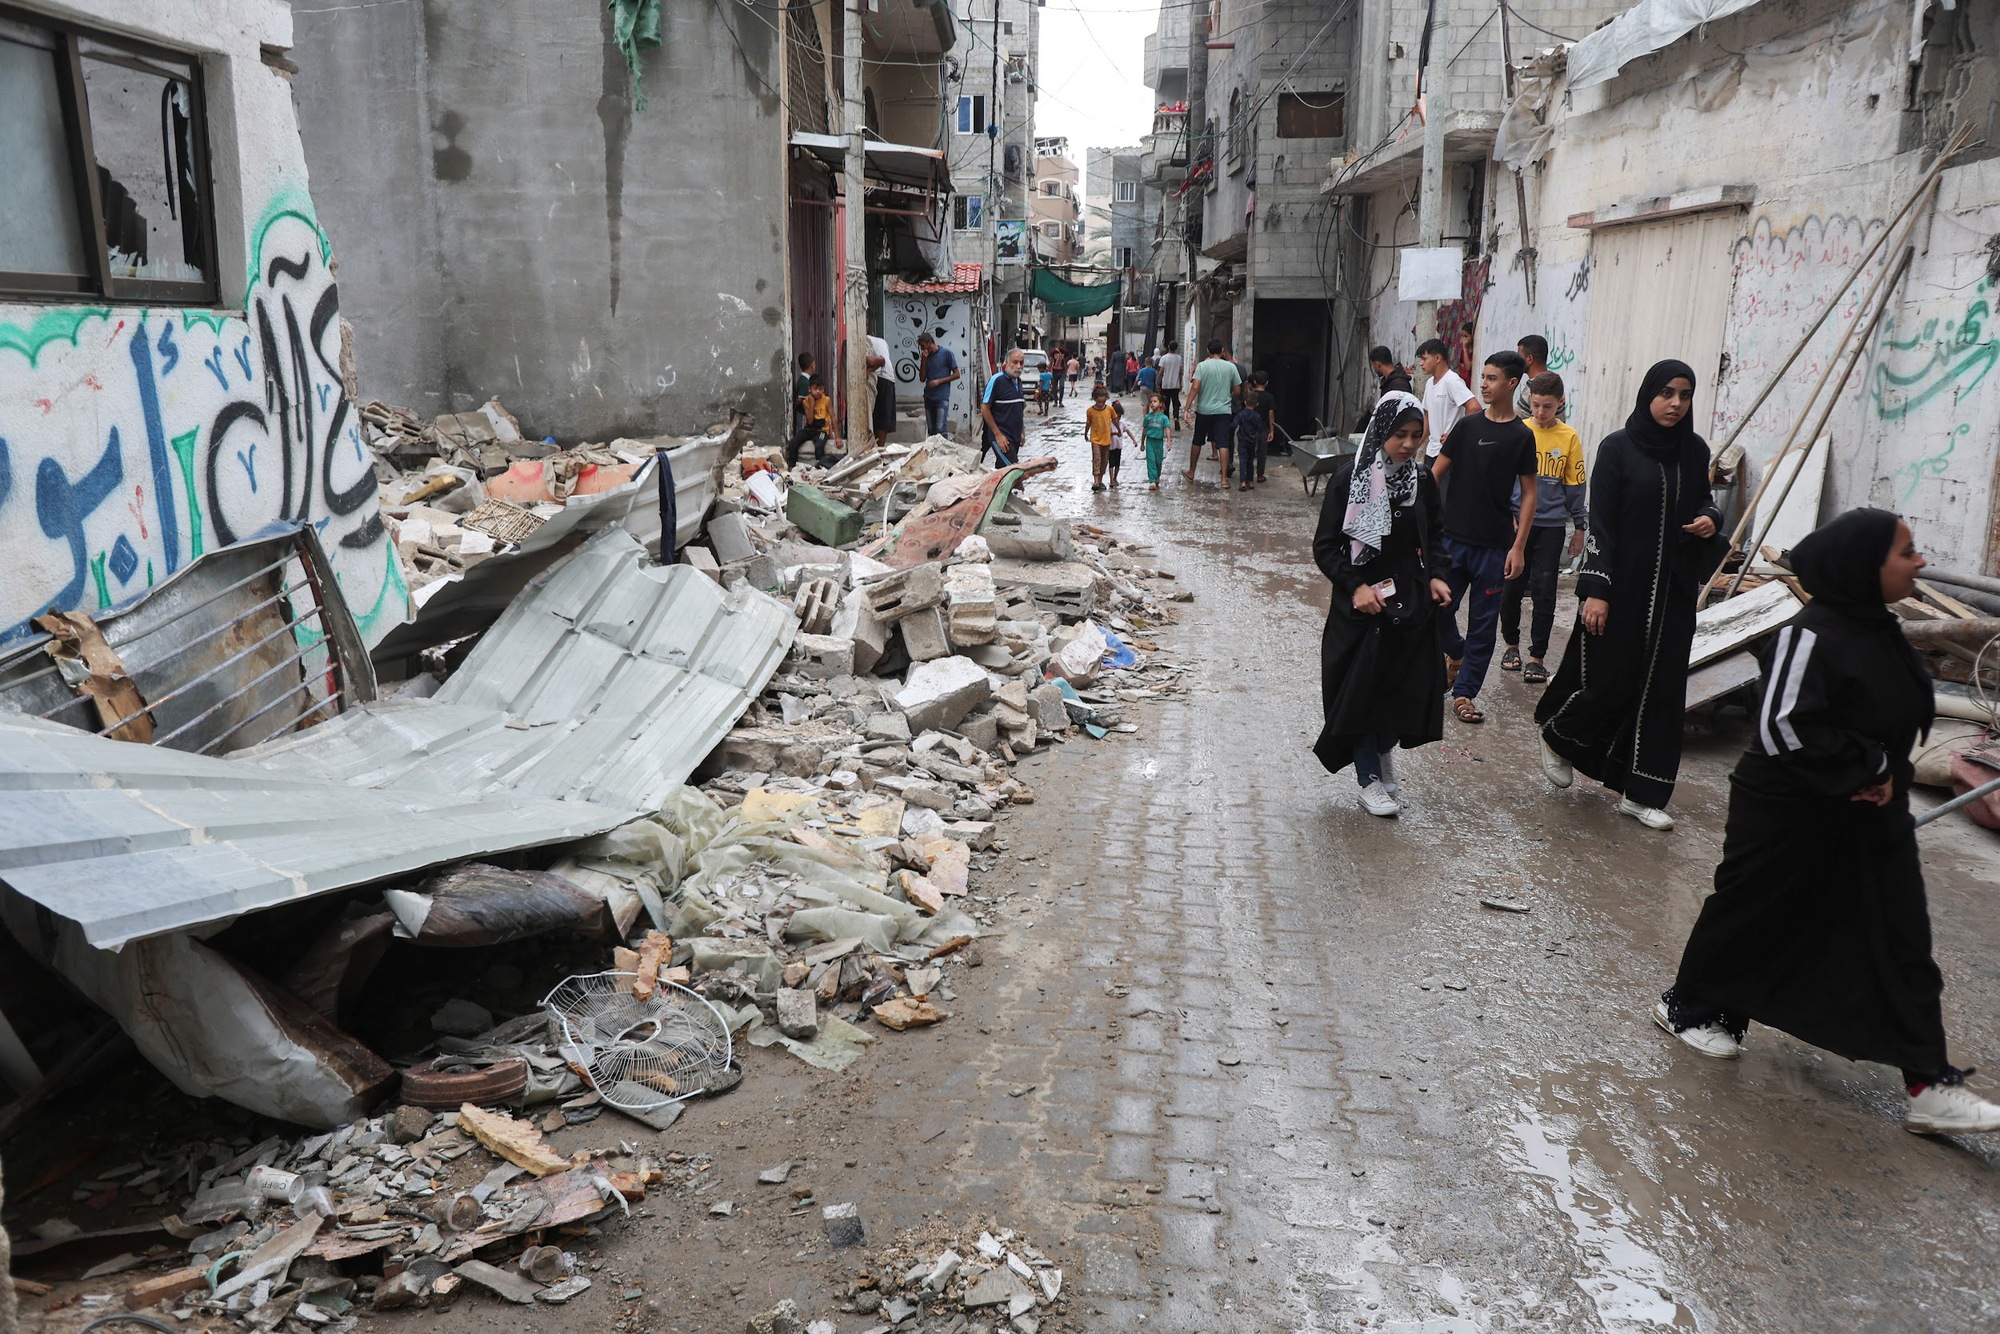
964	278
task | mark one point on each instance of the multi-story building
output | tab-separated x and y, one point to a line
1163	167
990	143
1055	212
1116	203
1266	100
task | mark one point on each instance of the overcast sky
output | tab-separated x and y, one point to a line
1092	85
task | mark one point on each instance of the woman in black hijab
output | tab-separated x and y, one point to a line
1818	923
1615	706
1381	678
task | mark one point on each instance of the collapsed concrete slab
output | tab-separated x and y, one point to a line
941	692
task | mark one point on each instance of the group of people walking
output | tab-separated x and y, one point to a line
1818	924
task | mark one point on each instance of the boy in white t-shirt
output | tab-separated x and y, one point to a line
1446	396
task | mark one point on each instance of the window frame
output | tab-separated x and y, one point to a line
969	212
1125	192
1291	107
98	283
970	115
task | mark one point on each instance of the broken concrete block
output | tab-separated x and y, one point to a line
843	1225
924	635
513	1287
982	730
770	750
887	727
1029	537
729	536
902	1012
822	517
701	558
1014	695
918	890
1049	707
764	572
780	1319
970	605
896	595
855	619
940	692
814	604
918	791
822	657
798	1014
1066	588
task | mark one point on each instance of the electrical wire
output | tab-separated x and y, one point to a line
1517	16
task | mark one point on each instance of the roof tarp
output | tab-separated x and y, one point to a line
1072	300
1649	26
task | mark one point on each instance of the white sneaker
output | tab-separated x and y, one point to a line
1555	768
1389	774
1708	1039
1949	1109
1375	799
1650	816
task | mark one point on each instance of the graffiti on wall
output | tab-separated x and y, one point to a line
1947	354
132	439
949	320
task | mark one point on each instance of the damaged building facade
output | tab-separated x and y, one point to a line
171	341
1800	132
623	220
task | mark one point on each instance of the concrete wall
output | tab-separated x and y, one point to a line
1801	104
512	225
134	439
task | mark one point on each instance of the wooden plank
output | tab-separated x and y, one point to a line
1711	682
1723	627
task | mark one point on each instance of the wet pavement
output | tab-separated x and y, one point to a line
1366	1101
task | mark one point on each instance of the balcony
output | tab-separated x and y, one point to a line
1163	154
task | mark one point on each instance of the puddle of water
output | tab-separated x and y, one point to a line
1627	1282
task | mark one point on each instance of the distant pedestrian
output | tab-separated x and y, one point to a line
1215	385
1121	436
1131	372
1158	430
1003	407
1149	377
1246	434
801	383
1381	680
1616	705
1818	925
1058	368
1559	497
938	369
1097	423
1046	391
1075	367
1171	371
815	423
1484	454
882	417
1390	374
1534	350
1446	397
1259	396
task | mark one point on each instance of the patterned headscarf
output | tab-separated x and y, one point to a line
1380	487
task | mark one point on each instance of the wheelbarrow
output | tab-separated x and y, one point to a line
1320	456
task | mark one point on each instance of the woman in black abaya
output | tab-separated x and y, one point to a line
1818	923
1381	679
1615	706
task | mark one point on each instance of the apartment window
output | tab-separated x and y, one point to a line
1234	130
1318	116
1128	192
104	147
1053	189
968	212
1124	257
972	114
1052	230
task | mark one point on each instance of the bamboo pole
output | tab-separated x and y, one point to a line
1853	348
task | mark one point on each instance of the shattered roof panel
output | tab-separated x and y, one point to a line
598	691
964	278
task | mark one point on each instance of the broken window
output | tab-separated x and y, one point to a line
1320	116
104	146
968	212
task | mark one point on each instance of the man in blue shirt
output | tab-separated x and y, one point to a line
1004	409
937	368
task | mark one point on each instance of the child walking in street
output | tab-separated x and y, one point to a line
1559	498
1246	432
1047	387
1158	430
1121	436
1097	421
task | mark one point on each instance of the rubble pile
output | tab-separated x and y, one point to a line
949	1281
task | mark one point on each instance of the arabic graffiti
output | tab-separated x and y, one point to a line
145	432
1918	471
1948	354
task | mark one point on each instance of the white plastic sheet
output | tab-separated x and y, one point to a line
1649	26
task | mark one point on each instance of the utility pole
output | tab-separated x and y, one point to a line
854	284
1430	197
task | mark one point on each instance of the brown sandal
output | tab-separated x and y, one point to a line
1467	711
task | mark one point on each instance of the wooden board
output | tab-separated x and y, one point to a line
1718	678
1799	514
1723	627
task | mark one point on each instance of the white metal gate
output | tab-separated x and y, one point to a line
1657	290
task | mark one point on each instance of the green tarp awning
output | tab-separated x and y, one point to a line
1071	300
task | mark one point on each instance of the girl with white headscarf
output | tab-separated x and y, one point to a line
1379	542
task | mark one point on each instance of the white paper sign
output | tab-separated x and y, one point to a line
1431	274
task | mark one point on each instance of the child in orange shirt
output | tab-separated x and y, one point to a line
1098	420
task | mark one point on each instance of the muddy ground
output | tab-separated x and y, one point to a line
1246	1058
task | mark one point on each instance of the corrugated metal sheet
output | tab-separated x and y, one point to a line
595	694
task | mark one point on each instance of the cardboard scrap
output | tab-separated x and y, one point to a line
516	1141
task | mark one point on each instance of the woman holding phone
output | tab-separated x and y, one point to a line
1381	678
